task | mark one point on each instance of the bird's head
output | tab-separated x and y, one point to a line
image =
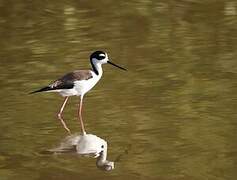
100	57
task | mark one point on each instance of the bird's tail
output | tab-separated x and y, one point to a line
47	88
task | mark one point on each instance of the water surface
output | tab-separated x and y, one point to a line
173	112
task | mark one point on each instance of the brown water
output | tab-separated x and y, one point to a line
173	112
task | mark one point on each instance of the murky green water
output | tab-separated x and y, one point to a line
173	112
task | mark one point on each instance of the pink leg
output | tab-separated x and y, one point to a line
80	116
60	117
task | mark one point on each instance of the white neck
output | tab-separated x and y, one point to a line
97	68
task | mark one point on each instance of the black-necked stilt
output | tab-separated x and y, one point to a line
78	83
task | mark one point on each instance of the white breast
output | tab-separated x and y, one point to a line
84	86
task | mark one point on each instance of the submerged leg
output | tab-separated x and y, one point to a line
80	116
60	117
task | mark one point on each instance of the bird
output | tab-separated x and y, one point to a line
78	83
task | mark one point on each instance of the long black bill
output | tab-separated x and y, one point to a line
116	65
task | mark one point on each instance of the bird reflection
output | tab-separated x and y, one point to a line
102	163
86	145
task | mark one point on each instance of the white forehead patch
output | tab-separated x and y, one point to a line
101	55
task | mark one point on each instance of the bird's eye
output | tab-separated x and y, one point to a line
101	56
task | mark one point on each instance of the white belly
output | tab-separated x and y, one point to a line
80	87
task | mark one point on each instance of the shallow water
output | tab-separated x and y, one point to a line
173	112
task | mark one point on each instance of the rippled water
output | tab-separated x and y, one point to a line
172	114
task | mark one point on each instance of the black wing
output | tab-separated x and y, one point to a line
67	81
50	87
